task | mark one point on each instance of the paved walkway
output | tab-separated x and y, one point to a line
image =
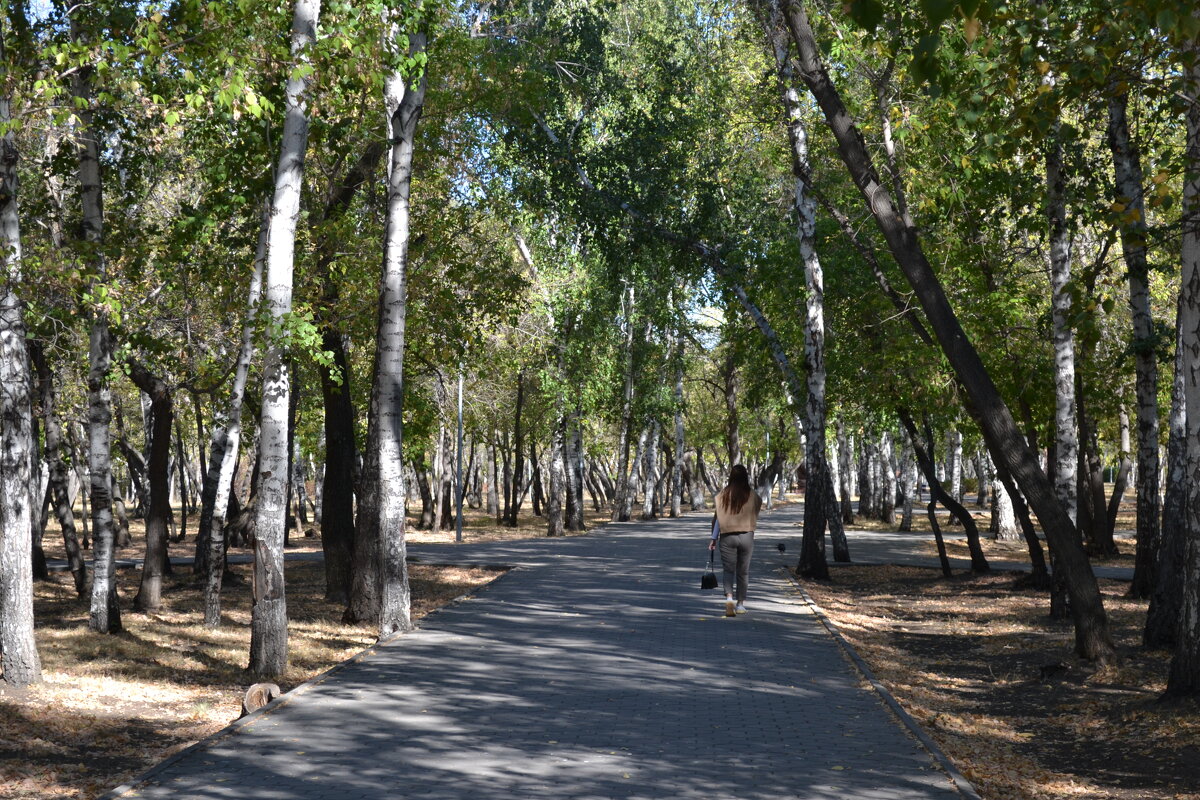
596	669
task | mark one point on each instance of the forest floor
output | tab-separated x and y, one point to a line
978	663
112	706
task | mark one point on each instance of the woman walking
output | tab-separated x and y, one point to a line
736	518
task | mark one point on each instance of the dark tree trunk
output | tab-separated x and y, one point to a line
1162	618
939	494
943	559
422	480
513	509
1037	558
149	596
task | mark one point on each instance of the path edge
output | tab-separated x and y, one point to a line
960	782
232	728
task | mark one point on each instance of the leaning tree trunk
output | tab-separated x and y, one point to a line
105	613
1121	481
381	512
268	621
1127	172
938	494
1005	442
19	658
149	596
1184	677
226	440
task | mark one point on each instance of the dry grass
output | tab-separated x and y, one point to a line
111	706
983	669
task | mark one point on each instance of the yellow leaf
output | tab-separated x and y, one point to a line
1043	67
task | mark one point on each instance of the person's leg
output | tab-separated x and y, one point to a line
745	548
729	563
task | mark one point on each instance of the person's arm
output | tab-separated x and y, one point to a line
716	533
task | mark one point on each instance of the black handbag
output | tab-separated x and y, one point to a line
708	580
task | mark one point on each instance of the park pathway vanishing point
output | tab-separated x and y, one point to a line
595	669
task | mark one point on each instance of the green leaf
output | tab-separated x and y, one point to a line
938	11
867	13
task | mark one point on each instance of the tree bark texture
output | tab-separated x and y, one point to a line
1005	442
940	495
1184	676
381	510
1128	182
149	596
105	614
1066	448
60	489
625	434
19	658
816	505
268	623
1162	618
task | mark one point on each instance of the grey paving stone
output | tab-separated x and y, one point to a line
595	669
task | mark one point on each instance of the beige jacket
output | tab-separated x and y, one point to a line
744	520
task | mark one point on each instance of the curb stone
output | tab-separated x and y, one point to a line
960	782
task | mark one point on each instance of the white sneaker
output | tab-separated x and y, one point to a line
730	610
740	608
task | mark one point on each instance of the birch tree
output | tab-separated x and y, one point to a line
268	623
18	651
381	508
105	613
1184	677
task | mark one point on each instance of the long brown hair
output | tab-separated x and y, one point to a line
738	491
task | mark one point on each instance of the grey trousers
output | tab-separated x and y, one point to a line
735	559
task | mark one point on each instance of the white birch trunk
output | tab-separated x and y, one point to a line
382	510
18	650
887	463
623	503
227	438
1184	678
677	468
105	614
268	623
1066	453
817	506
1127	173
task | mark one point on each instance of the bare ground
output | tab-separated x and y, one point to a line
978	663
113	705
